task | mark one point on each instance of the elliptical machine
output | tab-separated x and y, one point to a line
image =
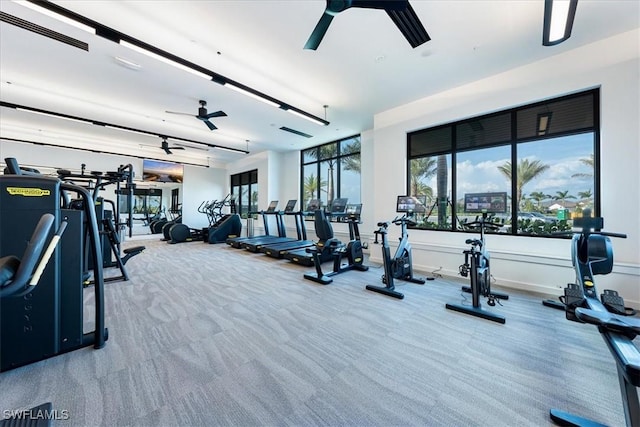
592	254
352	250
477	267
401	265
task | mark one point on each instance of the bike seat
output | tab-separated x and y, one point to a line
613	322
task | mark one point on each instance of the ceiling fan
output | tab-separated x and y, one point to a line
166	148
400	12
203	115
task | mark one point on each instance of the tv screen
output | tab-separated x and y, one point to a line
314	205
485	202
338	205
159	171
291	205
272	206
411	204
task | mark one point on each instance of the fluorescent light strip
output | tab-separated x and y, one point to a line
233	150
163	59
252	95
311	119
56	16
51	115
127	130
559	15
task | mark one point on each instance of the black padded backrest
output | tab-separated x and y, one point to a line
324	230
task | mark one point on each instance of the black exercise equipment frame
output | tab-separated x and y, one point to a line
401	265
583	305
477	267
352	250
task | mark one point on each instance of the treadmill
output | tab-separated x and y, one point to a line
236	242
278	250
256	243
301	256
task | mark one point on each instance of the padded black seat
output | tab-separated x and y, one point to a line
131	252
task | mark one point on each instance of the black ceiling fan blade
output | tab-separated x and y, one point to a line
381	4
215	114
210	125
166	150
409	25
319	31
176	148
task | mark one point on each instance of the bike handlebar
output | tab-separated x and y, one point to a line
404	219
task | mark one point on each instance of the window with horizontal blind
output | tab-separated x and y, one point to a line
554	145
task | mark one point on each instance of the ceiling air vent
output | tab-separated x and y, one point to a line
43	31
297	132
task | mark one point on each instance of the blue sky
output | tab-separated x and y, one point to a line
478	170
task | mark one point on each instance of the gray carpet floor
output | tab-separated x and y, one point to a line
207	335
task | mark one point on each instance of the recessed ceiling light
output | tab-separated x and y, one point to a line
126	63
380	58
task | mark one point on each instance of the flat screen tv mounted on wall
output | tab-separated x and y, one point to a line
159	171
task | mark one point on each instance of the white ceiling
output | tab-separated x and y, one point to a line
363	66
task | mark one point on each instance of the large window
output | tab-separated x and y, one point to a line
244	190
331	171
554	146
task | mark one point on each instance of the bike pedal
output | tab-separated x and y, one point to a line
573	298
613	301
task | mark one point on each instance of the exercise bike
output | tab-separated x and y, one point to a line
401	265
592	254
477	267
352	250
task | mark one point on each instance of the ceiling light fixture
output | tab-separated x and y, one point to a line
120	128
251	94
543	122
164	59
558	21
55	116
113	126
39	7
307	117
169	58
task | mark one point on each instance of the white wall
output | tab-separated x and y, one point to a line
200	184
541	265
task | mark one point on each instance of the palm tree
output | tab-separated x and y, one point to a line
328	153
311	186
562	196
526	171
442	184
588	162
421	169
538	196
